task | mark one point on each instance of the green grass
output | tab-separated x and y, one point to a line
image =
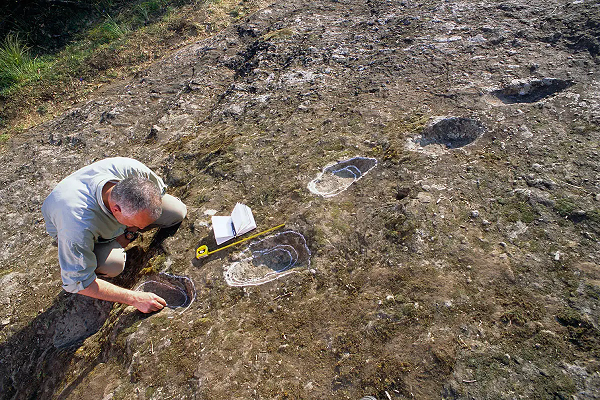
107	31
146	11
17	66
102	41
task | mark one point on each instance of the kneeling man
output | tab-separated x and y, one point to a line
94	213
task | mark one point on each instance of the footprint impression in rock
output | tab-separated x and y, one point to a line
451	132
530	91
269	259
337	177
446	133
178	291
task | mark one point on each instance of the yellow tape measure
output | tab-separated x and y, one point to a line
202	251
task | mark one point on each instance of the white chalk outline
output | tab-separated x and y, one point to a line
270	276
312	184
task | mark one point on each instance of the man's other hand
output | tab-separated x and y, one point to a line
122	240
148	302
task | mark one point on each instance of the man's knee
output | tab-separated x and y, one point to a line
110	270
174	212
111	259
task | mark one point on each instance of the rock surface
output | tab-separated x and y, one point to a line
409	294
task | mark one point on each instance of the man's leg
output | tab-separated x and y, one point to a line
111	259
173	212
111	256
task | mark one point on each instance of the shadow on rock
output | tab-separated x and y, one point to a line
162	234
41	360
35	360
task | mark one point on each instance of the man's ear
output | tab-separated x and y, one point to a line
115	208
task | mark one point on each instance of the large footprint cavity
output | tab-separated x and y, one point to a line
177	291
335	178
269	259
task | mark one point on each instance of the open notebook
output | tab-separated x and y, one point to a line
239	222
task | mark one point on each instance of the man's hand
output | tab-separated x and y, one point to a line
148	302
144	301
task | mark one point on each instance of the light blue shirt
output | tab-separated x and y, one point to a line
77	218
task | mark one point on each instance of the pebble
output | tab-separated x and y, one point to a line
199	223
475	214
424	197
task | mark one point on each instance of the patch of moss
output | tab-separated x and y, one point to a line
150	391
581	332
399	228
278	34
518	210
202	321
155	264
131	329
565	207
410	124
514	316
160	321
594	215
584	129
569	317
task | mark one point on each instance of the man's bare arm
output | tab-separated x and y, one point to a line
144	301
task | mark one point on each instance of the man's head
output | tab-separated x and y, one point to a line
135	202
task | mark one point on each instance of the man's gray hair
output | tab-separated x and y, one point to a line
136	194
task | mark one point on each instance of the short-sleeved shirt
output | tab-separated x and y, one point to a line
76	216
